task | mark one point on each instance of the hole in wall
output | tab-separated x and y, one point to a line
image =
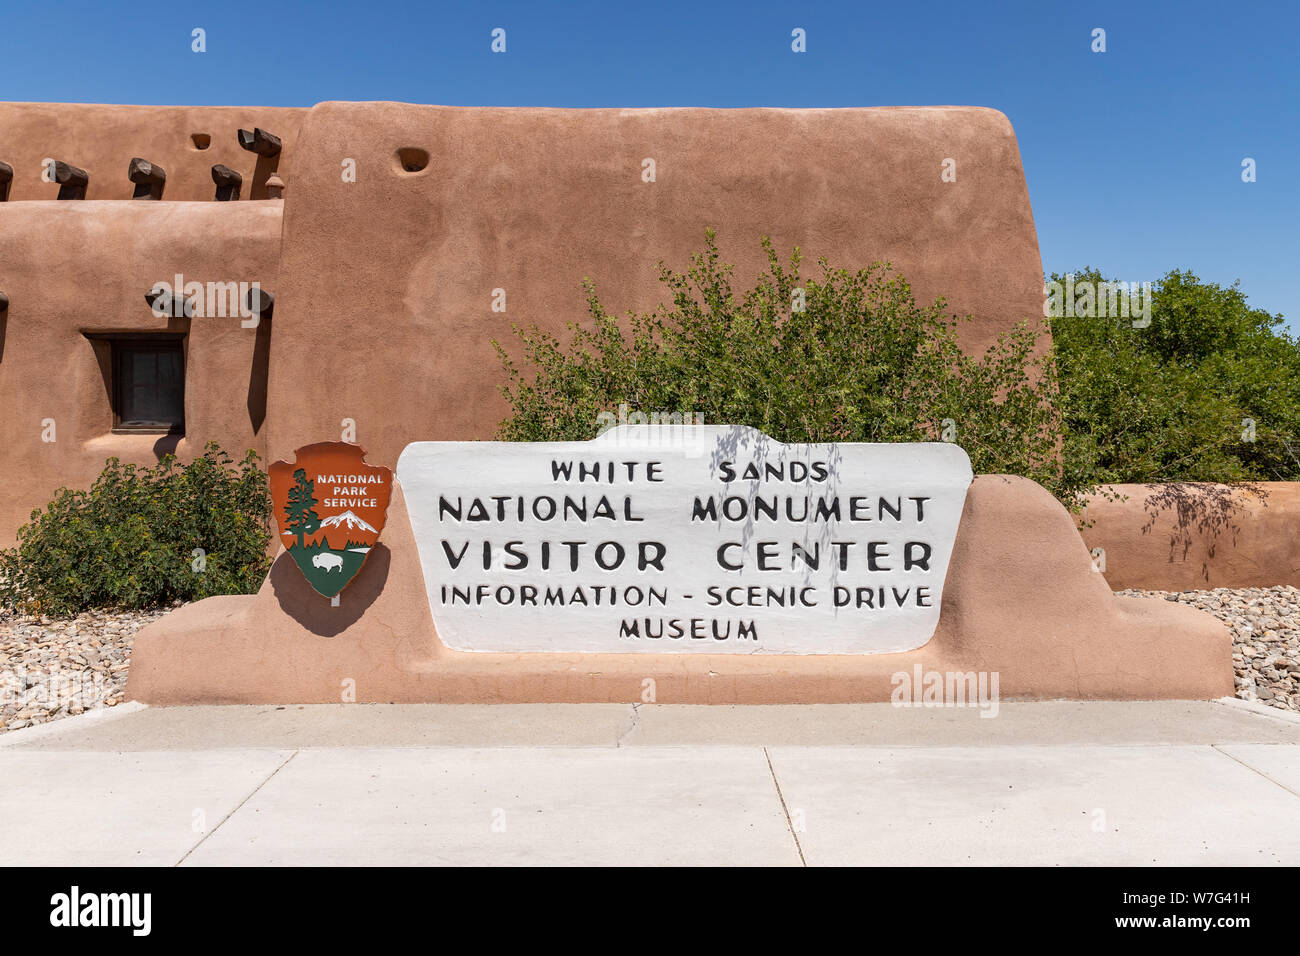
201	140
412	159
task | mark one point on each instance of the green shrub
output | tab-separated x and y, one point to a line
861	362
1176	400
130	541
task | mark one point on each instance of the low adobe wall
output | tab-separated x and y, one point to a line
70	268
1021	600
1188	536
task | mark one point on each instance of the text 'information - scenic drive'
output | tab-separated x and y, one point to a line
704	539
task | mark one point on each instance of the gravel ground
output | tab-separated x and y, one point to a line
1265	624
56	668
51	669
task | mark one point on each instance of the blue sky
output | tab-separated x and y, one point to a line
1133	156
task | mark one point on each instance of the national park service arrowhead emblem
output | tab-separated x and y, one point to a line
330	506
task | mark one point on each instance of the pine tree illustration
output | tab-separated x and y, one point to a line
302	519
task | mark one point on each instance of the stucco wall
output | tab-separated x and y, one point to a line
103	140
1189	536
73	267
387	283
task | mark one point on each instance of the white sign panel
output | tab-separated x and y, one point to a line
689	539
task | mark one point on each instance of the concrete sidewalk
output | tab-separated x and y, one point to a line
1155	783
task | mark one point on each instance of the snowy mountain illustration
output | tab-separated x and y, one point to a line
346	520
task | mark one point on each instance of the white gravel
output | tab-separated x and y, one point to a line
1265	624
55	668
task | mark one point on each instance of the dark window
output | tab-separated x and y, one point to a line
148	385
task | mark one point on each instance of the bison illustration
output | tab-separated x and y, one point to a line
330	562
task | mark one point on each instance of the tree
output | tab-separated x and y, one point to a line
302	519
843	356
1208	391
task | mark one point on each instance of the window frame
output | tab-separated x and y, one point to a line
115	344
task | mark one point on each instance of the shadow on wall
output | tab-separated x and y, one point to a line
313	611
257	375
166	445
1202	513
266	165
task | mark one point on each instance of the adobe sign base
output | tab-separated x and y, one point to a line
1021	600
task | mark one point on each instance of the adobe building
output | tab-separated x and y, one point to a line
382	232
274	278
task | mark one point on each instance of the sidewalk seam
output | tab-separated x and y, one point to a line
784	809
1278	783
236	809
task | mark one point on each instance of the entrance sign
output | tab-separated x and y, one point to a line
330	506
704	539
